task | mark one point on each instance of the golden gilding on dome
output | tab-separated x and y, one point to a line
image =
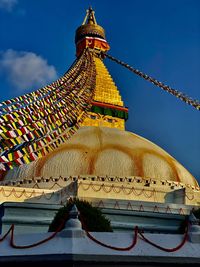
103	151
89	27
99	120
89	30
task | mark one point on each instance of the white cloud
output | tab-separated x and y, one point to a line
26	70
8	5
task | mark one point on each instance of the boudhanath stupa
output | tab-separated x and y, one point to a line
68	139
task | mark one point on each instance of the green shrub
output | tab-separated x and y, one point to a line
92	218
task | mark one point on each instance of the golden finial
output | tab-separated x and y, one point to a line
89	27
89	18
90	34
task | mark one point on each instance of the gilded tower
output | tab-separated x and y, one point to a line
107	106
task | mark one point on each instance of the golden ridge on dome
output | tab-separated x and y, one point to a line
102	151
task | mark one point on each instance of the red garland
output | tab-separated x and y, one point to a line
12	226
13	245
167	249
116	248
134	241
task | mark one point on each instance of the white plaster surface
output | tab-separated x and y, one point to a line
85	246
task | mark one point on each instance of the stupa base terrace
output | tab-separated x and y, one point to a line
154	205
74	246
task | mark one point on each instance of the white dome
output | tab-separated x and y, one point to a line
106	151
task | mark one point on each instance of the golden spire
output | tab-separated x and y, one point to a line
89	18
89	28
107	107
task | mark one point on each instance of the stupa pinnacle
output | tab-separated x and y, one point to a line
90	28
107	106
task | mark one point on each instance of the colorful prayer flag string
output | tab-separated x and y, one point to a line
30	131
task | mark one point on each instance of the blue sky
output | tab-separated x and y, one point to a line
161	38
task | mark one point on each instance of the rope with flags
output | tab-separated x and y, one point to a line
35	124
24	100
180	95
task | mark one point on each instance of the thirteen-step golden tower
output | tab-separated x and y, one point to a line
107	107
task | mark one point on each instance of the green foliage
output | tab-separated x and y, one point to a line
92	218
